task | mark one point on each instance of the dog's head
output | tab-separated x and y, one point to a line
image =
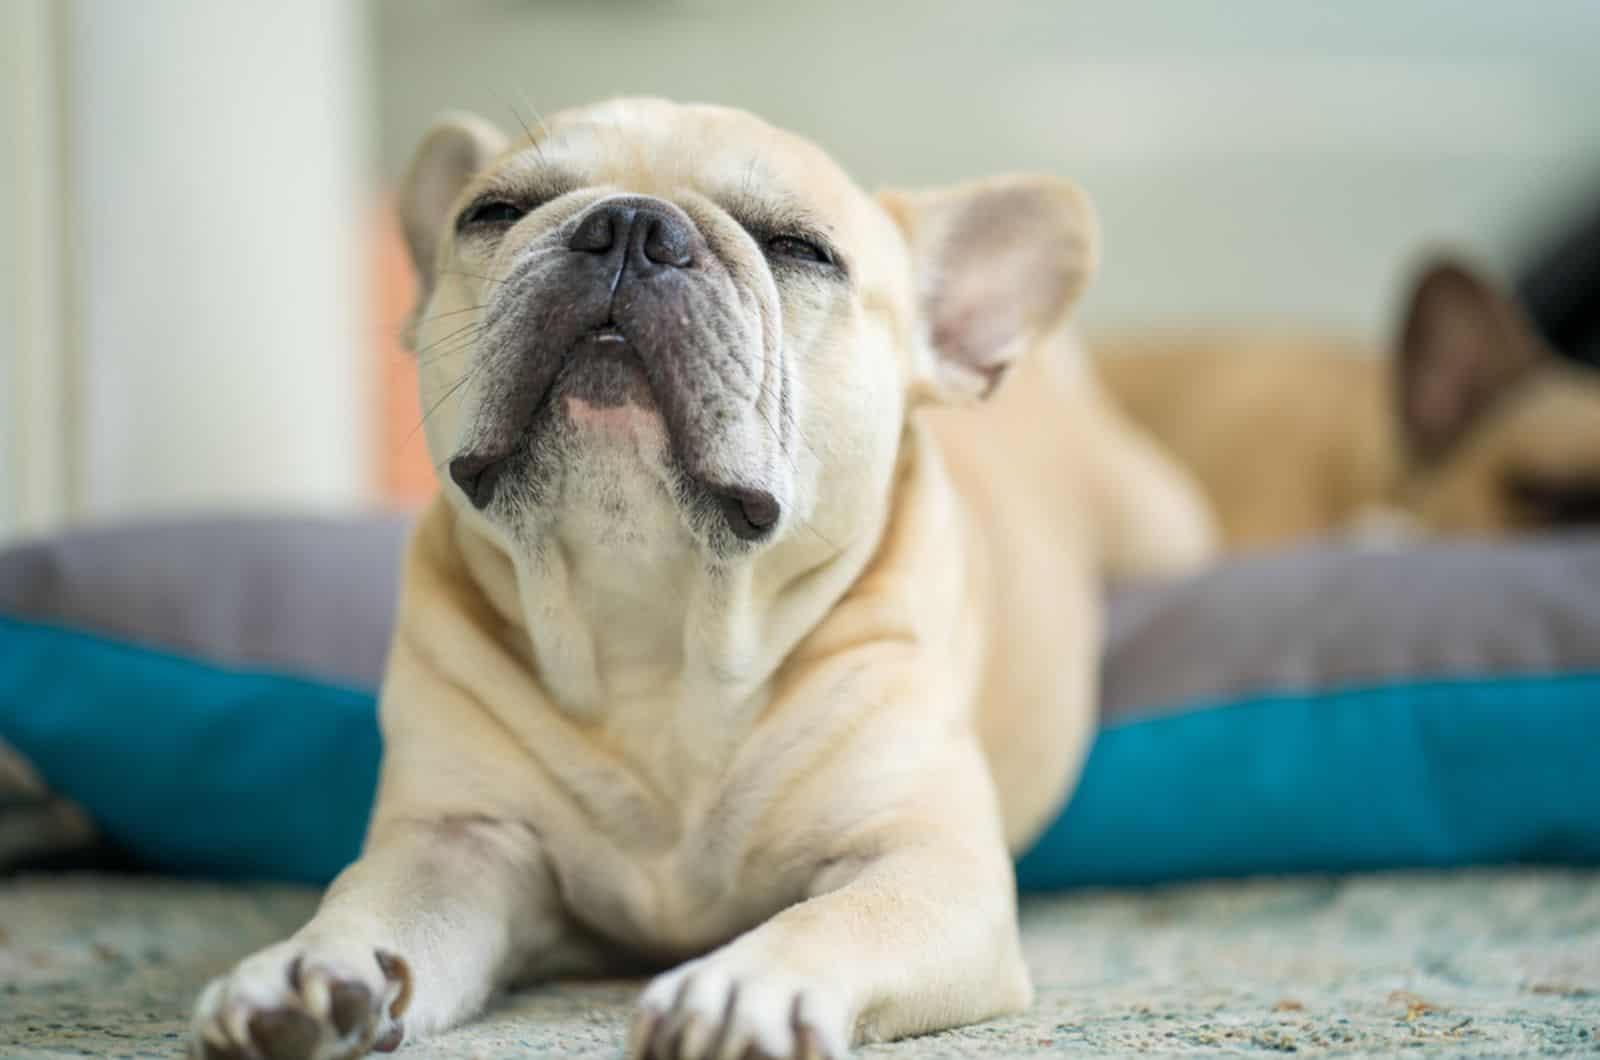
648	320
1502	434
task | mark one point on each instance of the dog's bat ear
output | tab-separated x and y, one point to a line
456	149
1463	344
998	264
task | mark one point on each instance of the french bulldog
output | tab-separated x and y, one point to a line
755	627
1473	426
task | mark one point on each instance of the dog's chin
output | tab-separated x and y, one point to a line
628	423
603	371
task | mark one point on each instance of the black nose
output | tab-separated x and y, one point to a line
648	231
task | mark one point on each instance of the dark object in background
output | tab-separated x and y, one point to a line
1561	290
40	831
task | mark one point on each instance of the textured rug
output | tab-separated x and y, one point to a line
1461	964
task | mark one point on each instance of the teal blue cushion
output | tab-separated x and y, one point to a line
218	771
189	766
1413	773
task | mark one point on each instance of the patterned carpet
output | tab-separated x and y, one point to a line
1463	964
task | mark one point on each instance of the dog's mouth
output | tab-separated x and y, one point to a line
602	370
602	391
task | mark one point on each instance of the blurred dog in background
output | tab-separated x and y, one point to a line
1472	425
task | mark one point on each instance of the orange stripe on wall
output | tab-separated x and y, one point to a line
405	473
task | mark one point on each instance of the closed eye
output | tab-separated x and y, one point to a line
800	248
788	234
487	214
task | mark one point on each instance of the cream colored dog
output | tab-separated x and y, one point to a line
715	650
1472	426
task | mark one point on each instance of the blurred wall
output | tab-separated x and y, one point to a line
186	219
218	152
1250	160
187	188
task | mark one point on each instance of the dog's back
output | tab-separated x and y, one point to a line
1287	436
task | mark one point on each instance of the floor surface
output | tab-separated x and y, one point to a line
1477	963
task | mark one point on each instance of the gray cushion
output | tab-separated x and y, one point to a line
1330	615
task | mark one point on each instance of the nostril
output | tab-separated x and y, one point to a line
667	243
595	234
476	474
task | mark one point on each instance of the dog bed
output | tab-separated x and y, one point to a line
203	691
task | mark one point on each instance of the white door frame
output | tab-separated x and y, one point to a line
37	479
166	347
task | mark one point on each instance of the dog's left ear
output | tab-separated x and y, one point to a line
1463	345
457	148
998	264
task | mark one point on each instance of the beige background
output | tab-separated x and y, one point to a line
1249	158
184	288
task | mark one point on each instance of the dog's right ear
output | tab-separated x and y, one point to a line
998	264
1464	344
457	148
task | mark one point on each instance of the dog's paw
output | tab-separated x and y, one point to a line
296	1001
722	1007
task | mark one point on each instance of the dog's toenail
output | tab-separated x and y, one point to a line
391	1040
395	970
283	1034
351	1007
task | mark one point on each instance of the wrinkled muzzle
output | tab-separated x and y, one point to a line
627	307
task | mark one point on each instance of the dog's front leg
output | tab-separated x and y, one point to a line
911	929
410	939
